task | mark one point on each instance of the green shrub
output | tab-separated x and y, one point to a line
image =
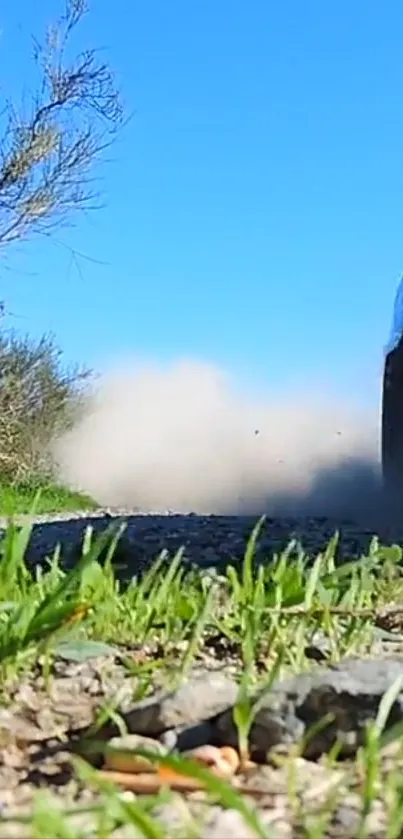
39	397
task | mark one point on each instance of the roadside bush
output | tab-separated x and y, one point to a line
39	398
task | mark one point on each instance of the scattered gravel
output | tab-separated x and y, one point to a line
38	733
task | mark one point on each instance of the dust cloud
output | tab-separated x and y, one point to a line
184	437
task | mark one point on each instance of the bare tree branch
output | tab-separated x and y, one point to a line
46	156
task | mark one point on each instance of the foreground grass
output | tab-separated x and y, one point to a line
264	619
18	499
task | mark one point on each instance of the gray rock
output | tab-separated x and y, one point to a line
201	709
350	691
204	695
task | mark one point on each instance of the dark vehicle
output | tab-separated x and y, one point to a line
392	404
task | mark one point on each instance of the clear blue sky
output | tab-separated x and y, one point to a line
254	205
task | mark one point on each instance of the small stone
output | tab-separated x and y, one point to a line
223	762
202	696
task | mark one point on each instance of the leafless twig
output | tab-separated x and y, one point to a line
47	154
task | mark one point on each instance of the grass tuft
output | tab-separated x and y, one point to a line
17	499
262	619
